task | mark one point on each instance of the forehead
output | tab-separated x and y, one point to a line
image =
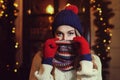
65	28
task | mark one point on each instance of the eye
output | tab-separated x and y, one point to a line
59	34
70	33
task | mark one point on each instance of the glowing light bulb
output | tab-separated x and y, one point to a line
17	63
1	1
49	9
6	15
108	47
68	4
29	11
15	70
13	30
83	9
50	18
15	4
101	18
16	45
104	40
109	41
110	34
104	24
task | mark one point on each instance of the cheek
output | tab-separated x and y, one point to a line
71	37
60	38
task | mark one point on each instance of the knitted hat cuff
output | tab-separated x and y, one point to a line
67	17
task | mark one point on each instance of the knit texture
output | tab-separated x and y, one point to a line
68	16
64	58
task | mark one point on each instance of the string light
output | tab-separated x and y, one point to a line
13	30
29	11
17	63
1	13
50	18
83	9
108	47
104	24
16	45
50	9
111	34
8	21
109	41
101	19
1	1
92	1
68	4
101	46
104	40
15	4
15	70
3	6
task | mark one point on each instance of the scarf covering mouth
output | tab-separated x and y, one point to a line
64	57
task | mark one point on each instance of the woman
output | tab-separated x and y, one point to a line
66	56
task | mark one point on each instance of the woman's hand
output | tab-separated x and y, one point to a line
50	48
82	45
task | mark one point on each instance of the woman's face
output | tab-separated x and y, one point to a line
65	32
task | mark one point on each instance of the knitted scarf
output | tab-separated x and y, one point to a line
64	58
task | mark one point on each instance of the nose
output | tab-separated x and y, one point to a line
65	37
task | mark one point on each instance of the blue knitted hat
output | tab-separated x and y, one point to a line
68	16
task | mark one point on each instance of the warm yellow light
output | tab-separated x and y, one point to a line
16	14
99	9
68	4
109	41
29	11
100	13
83	9
16	45
105	30
1	1
49	9
104	24
110	34
104	40
101	18
50	27
6	15
50	18
92	1
13	30
15	4
17	63
108	47
3	6
1	13
15	70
